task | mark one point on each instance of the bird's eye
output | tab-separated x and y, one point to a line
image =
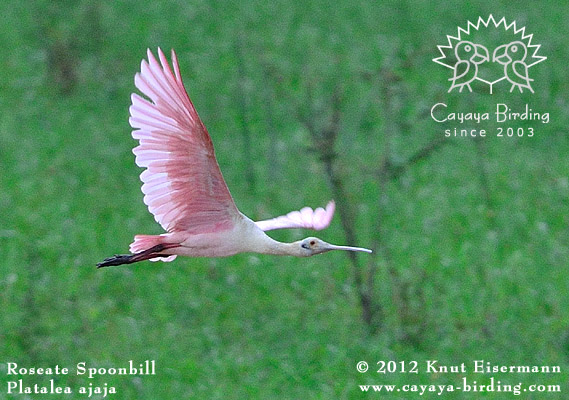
312	242
467	48
514	48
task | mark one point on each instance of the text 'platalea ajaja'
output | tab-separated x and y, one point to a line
183	186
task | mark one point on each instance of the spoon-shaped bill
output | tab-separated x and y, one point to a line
348	248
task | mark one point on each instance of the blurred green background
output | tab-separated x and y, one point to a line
305	102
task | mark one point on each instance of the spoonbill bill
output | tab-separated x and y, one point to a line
183	186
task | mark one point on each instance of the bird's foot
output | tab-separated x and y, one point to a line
117	259
153	252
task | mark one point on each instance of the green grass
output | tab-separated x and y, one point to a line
475	237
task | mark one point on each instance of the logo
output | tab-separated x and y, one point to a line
490	53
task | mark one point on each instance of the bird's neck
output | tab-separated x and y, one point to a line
257	241
277	248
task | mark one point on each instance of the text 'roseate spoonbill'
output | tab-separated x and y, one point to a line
183	186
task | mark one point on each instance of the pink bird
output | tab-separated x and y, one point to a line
184	189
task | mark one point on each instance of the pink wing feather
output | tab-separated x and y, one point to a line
305	218
183	185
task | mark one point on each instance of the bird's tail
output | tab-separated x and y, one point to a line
144	247
143	242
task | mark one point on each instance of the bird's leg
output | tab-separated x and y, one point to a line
120	259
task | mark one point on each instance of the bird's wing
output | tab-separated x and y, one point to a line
183	186
460	70
521	71
305	218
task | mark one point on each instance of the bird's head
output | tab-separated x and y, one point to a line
506	53
475	53
312	246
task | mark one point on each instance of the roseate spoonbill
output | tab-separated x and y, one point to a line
183	186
